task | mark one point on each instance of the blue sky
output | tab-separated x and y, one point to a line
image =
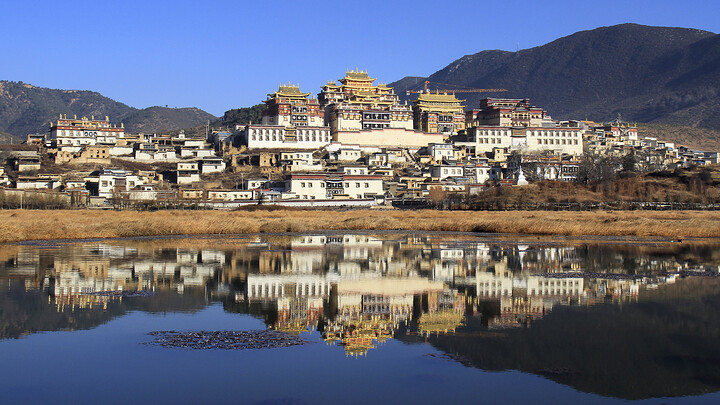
218	55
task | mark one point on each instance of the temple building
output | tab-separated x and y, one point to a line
288	106
291	120
356	104
513	124
507	112
72	134
438	113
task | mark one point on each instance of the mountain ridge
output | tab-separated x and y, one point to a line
645	73
25	108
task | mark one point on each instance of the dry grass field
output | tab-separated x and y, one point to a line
20	225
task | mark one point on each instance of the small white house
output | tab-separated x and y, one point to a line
112	180
441	151
444	171
212	165
188	172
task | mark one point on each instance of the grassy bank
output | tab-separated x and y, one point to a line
19	225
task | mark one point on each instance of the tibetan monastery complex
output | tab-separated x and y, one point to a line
354	144
356	111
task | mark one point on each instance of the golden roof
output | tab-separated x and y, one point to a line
357	75
444	98
289	91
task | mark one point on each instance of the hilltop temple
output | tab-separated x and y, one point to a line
289	106
291	120
356	104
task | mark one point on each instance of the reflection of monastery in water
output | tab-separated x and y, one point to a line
356	290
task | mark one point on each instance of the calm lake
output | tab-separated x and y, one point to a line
359	318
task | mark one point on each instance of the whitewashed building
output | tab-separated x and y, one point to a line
441	151
321	186
212	165
281	137
559	140
441	172
71	134
115	180
188	172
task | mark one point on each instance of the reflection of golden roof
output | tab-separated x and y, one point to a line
357	345
442	321
81	301
291	329
391	287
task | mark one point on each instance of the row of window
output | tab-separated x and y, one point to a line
457	171
374	126
553	141
556	134
276	138
559	283
492	132
347	185
376	116
539	141
68	132
490	140
403	117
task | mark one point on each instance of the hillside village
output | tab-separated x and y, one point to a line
354	144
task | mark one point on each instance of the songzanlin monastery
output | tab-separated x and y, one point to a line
355	111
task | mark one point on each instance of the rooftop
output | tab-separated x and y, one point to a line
357	75
437	97
289	91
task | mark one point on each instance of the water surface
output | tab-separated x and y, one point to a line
387	317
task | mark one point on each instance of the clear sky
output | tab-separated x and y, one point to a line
218	55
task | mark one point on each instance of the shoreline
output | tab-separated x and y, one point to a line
32	225
483	236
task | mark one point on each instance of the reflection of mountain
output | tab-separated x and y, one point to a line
24	312
641	350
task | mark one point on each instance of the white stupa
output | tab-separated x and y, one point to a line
521	181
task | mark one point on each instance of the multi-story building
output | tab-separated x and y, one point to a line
356	104
281	137
507	112
513	124
4	179
291	120
72	134
325	186
558	140
438	113
113	181
188	172
288	106
617	133
443	171
210	165
441	151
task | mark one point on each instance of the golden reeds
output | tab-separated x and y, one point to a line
18	225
